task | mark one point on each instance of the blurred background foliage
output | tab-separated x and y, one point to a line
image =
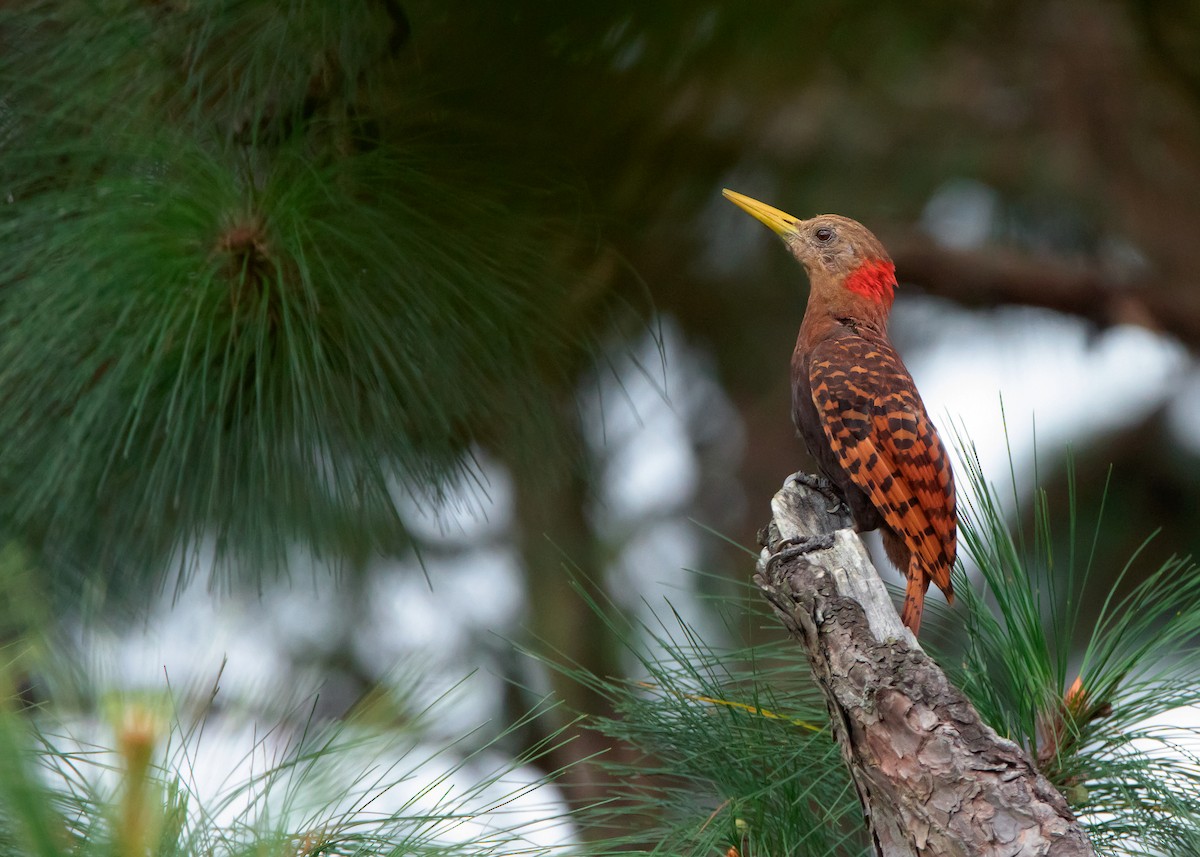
443	297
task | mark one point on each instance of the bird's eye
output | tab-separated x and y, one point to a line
824	234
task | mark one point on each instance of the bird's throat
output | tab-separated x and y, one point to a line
874	279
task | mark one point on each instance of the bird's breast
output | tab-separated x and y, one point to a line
811	430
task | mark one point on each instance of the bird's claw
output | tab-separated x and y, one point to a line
821	485
788	549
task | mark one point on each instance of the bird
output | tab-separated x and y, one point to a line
855	404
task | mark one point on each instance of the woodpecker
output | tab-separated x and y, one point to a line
855	404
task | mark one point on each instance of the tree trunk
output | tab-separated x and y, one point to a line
933	779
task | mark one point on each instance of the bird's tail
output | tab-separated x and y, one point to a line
918	581
914	599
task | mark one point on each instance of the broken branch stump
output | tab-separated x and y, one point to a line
932	777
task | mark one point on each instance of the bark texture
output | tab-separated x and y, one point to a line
933	779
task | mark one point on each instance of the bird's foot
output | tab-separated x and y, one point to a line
821	485
789	549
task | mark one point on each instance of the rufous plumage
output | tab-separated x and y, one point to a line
855	404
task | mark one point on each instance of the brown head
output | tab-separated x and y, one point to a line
849	269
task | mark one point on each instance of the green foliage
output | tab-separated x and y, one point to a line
1088	697
718	748
251	289
300	790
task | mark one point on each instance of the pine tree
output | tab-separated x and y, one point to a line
255	288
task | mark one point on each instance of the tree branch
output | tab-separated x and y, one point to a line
989	277
933	779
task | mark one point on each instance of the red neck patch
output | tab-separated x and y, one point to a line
874	279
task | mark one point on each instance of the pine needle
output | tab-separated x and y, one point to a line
249	294
1085	698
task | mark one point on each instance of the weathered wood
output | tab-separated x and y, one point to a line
933	779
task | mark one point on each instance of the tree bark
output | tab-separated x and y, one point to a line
933	779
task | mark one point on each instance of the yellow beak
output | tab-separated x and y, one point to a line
780	222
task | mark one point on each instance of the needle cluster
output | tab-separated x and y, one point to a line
251	290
